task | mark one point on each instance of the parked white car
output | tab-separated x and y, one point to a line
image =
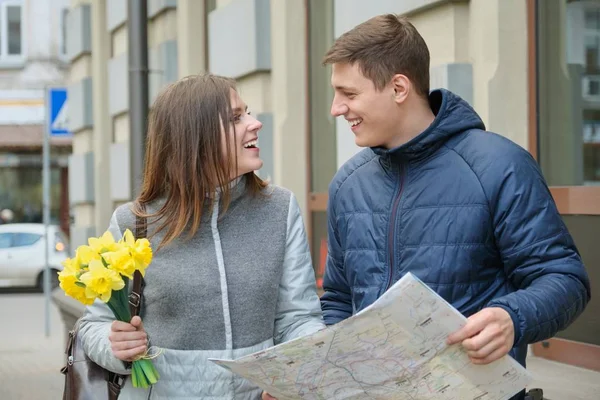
22	255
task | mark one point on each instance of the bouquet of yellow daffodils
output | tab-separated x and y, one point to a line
102	270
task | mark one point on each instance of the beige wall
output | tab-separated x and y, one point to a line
119	40
501	84
119	127
107	129
75	3
81	68
162	27
102	120
282	92
191	37
491	35
255	90
446	30
288	37
119	124
488	35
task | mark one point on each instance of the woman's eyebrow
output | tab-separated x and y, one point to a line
239	109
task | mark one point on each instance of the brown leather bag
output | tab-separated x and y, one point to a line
84	379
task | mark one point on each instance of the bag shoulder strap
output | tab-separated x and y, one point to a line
135	297
117	381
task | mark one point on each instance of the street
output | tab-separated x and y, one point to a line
30	363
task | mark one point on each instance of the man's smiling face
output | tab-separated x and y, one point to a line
372	114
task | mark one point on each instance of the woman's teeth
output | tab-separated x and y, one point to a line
354	122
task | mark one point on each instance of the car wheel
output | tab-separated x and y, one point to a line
54	282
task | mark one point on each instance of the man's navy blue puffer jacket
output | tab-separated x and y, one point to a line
465	210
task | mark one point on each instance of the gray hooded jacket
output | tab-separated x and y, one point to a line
243	283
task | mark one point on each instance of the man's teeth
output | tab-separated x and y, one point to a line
251	144
355	122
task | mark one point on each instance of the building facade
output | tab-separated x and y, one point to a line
530	68
32	57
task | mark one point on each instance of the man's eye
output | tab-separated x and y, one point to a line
350	95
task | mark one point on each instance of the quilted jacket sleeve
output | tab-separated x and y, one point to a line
538	253
298	310
336	302
95	327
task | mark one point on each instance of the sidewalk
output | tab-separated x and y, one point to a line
564	382
30	363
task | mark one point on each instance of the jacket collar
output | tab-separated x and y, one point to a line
236	188
453	115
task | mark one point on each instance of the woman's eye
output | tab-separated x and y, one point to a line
238	117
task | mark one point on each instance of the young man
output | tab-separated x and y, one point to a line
435	194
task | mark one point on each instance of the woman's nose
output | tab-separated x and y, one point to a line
255	124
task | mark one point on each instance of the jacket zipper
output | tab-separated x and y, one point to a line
392	229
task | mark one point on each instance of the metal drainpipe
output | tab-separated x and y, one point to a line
137	33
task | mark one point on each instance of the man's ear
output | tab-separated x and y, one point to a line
401	86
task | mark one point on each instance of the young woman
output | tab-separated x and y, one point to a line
231	272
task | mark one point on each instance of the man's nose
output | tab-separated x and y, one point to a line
338	108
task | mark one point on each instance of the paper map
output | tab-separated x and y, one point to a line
394	349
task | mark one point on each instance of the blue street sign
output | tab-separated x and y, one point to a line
57	111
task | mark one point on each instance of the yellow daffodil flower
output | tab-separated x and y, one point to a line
97	270
74	265
103	244
100	281
68	282
84	255
121	262
141	252
69	267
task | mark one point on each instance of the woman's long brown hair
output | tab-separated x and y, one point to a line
185	162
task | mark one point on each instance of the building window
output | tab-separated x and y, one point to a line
11	31
323	153
569	92
63	32
568	135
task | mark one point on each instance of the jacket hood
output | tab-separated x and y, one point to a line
453	115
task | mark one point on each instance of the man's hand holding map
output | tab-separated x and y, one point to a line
394	349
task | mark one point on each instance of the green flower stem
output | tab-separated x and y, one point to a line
134	380
142	380
119	304
143	372
114	307
149	371
124	300
138	377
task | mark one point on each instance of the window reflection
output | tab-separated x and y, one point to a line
21	193
13	17
569	91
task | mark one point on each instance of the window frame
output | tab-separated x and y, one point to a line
5	58
570	200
